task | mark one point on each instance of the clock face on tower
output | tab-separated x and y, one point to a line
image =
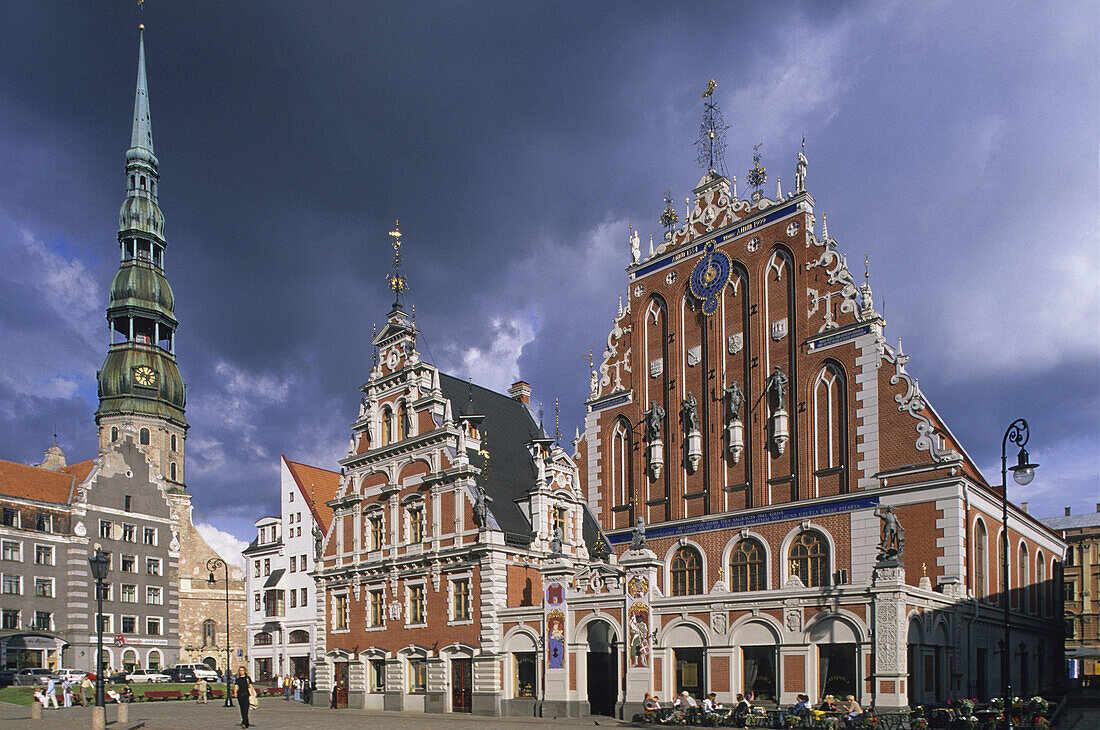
145	376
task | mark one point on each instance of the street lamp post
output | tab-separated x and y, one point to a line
212	565
1022	473
99	564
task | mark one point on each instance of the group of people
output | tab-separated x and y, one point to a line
70	697
697	713
290	685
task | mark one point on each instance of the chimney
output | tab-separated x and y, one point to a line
521	391
1067	511
1098	506
1023	506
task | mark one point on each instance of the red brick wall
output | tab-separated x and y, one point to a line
794	673
719	674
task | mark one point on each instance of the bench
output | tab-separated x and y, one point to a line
164	694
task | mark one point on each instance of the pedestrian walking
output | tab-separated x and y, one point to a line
244	692
286	688
85	685
67	693
51	693
297	689
200	687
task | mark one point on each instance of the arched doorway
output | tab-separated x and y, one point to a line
915	639
603	656
689	659
838	671
759	660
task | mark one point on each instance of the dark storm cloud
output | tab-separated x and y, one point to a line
515	141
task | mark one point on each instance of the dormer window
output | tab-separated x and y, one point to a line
557	521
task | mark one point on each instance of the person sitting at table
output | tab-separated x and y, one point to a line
650	705
741	711
127	694
828	704
853	711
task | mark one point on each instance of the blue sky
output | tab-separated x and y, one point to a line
955	144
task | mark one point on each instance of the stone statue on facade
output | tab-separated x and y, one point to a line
481	506
653	418
734	399
318	537
556	541
637	541
691	415
778	382
892	544
635	248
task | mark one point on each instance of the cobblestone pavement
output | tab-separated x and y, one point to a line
274	714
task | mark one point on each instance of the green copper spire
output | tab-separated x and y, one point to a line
140	383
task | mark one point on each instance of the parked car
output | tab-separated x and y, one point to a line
200	670
116	678
73	675
33	676
7	677
146	675
181	674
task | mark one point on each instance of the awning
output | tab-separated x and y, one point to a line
274	578
33	641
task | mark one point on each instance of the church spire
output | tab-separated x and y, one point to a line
142	133
140	387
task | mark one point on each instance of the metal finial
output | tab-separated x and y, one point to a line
669	217
588	359
711	144
374	348
540	415
758	175
397	282
866	266
557	422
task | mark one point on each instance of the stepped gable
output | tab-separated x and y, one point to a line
508	426
318	486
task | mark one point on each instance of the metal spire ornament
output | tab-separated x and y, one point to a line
396	281
557	422
711	145
758	175
669	217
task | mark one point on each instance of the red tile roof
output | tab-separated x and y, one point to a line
80	469
42	485
318	486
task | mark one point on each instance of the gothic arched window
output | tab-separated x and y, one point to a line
810	559
747	570
687	572
620	464
143	436
830	427
980	553
402	422
1039	590
1024	578
209	632
387	426
172	471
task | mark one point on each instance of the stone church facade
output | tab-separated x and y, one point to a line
762	501
132	500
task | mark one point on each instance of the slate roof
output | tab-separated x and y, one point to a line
508	425
1073	522
42	485
318	487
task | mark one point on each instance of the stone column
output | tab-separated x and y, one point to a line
891	637
641	568
557	621
436	698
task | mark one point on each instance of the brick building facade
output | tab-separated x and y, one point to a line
762	501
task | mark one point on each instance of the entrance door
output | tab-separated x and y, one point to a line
461	685
602	692
341	684
602	665
689	671
299	666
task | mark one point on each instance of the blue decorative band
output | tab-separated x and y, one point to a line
614	400
737	521
837	339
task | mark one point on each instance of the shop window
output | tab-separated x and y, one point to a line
418	676
377	675
526	667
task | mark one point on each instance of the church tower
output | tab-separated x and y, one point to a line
140	387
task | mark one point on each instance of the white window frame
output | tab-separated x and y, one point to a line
145	531
122	592
409	601
51	551
451	617
127	526
158	592
34	621
370	591
332	612
3	584
149	562
108	623
45	581
5	544
159	623
122	618
133	562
